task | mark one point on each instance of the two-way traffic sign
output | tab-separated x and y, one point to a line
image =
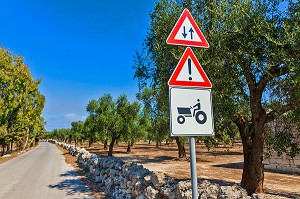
186	32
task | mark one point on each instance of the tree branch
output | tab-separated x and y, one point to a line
279	110
275	71
243	125
249	76
270	116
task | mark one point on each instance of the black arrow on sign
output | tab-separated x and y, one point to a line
191	31
184	34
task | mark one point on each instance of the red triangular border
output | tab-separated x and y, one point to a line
171	39
173	79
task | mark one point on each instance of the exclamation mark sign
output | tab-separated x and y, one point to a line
190	68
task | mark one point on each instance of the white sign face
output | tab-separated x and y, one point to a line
189	72
191	112
187	32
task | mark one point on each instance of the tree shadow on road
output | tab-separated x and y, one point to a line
71	185
69	173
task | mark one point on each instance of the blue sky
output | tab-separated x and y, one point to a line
80	48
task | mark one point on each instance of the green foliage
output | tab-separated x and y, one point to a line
90	129
61	135
111	119
210	142
284	142
21	103
282	135
77	132
154	121
108	120
131	121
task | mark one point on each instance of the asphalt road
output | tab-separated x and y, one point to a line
39	174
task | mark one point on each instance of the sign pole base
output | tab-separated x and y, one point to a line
193	168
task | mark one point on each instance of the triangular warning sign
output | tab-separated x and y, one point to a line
189	73
186	32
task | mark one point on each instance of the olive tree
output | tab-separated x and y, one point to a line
253	63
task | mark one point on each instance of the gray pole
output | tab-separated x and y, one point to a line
193	167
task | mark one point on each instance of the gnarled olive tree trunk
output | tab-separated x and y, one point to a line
252	134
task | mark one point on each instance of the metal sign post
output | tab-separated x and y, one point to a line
193	167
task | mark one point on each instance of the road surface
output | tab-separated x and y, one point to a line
39	174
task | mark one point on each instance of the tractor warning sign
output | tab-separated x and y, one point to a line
192	115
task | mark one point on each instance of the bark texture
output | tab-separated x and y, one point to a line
181	148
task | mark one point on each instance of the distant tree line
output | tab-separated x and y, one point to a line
21	104
109	121
113	120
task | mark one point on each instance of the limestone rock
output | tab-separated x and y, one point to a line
151	193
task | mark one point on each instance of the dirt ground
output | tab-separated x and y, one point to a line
222	164
14	154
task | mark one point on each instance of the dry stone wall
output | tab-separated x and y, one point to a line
282	163
127	180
